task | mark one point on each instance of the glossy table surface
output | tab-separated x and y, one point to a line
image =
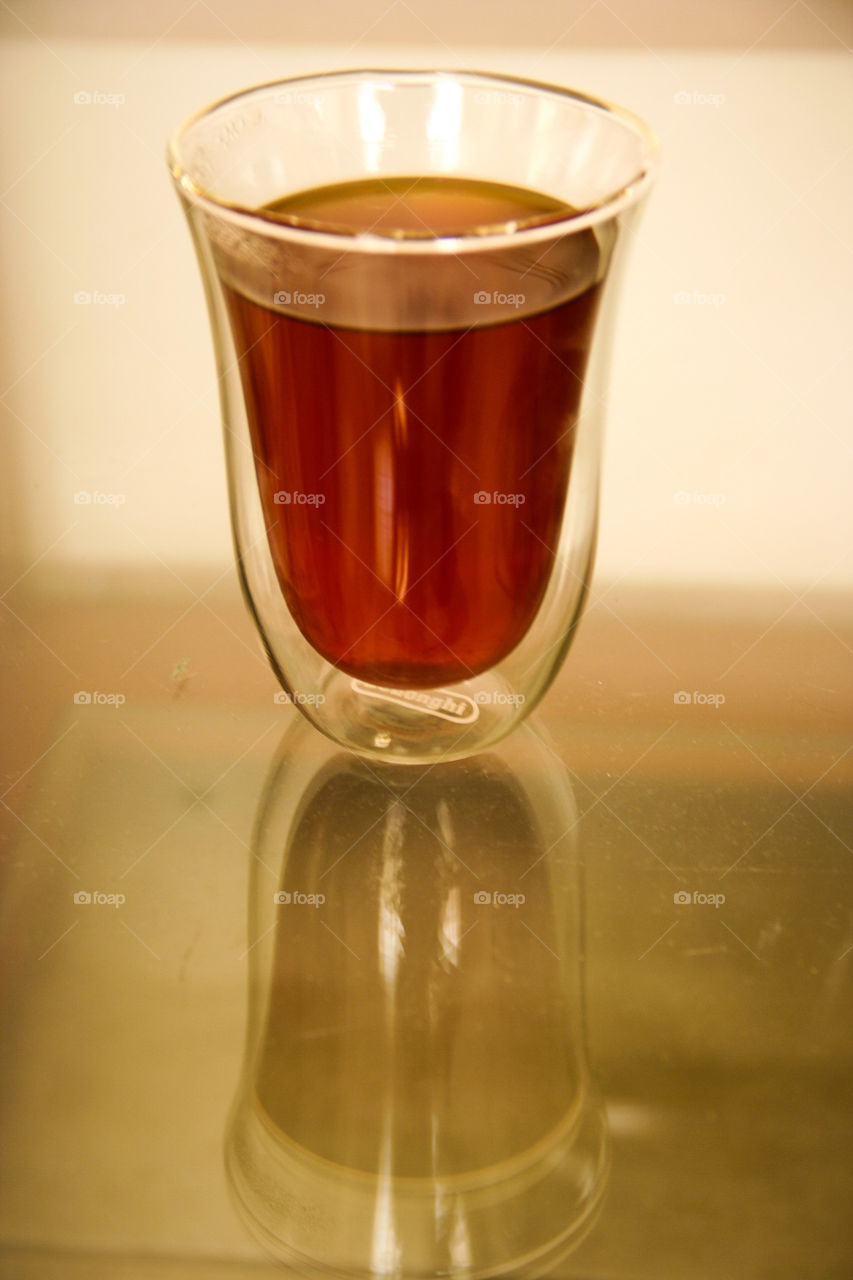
719	1028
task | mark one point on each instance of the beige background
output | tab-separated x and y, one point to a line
731	24
730	370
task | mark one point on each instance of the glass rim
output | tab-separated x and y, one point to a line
309	231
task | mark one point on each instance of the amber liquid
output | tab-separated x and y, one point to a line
374	451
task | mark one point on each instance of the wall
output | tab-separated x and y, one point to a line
730	370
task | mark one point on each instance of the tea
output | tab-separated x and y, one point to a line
413	481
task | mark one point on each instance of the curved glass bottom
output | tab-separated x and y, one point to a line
519	1217
413	726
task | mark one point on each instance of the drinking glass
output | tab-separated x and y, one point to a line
412	411
416	1099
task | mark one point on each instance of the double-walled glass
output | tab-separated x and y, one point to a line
412	417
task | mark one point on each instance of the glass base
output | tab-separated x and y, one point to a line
415	726
518	1218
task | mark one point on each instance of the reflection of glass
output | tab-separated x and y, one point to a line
415	1097
411	388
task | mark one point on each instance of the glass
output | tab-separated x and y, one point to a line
415	1098
412	397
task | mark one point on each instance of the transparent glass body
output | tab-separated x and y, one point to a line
415	1098
412	418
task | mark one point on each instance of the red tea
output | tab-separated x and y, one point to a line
413	482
